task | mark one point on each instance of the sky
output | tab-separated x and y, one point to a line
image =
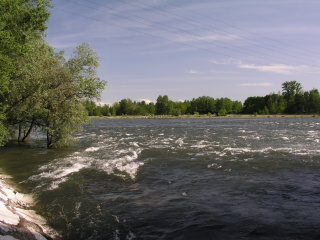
191	48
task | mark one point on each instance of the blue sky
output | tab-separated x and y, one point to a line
189	48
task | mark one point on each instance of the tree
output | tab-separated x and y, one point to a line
254	105
162	105
223	106
64	111
27	87
20	20
126	107
48	93
236	107
313	101
275	103
291	88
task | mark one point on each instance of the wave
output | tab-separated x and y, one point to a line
92	149
59	170
125	164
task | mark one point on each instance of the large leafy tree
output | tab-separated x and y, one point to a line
20	20
68	86
47	92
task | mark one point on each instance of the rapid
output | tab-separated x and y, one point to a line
217	178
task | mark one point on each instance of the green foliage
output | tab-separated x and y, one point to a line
291	88
162	106
20	21
222	112
254	104
47	92
203	105
236	107
293	100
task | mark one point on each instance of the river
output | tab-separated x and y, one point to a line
216	178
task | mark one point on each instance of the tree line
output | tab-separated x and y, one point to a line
39	88
165	106
292	100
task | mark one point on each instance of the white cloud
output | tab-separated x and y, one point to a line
276	68
147	101
263	84
205	38
103	103
227	61
191	71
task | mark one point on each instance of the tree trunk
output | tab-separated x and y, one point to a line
27	136
20	133
49	140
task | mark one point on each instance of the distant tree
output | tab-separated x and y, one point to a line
90	106
254	105
291	88
126	107
202	105
300	104
275	103
105	110
236	107
151	108
162	105
289	91
113	109
224	105
313	101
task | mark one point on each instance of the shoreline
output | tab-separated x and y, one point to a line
17	219
205	116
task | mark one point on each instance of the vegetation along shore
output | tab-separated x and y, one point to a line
291	101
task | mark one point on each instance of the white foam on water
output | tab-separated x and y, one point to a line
130	236
263	150
59	170
92	149
116	235
200	144
295	151
135	144
214	165
179	141
125	164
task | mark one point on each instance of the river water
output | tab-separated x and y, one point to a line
177	179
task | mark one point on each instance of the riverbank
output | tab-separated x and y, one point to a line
17	220
206	116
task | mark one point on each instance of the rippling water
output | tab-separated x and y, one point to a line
178	179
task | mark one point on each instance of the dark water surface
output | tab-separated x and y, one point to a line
178	179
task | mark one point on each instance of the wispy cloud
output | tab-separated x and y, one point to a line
276	68
191	71
256	84
204	37
227	61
